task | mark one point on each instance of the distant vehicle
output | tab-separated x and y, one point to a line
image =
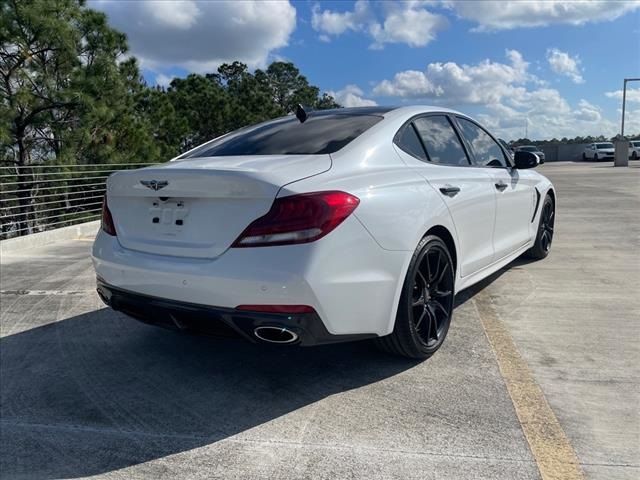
507	147
532	149
598	151
634	149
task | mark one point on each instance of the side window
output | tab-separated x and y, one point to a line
485	149
441	141
407	139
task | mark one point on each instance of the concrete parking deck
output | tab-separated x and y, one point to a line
86	391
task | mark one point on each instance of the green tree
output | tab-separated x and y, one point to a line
65	96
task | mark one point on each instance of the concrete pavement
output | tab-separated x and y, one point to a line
85	391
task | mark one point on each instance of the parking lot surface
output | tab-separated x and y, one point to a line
542	359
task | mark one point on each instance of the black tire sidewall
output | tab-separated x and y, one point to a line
537	251
404	328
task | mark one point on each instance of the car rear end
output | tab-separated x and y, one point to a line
219	245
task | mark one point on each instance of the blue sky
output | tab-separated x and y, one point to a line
551	68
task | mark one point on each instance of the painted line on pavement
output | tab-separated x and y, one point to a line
548	442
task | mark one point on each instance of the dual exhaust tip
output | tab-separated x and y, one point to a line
279	335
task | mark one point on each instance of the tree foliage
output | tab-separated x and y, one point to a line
69	94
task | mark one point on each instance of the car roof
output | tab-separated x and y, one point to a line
386	110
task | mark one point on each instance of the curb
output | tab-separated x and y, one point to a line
18	244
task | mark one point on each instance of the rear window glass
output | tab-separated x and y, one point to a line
408	141
441	141
319	134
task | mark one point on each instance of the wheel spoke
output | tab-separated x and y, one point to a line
419	302
433	274
441	275
439	293
422	279
437	306
545	240
424	313
433	324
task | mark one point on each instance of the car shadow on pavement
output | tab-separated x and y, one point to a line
99	392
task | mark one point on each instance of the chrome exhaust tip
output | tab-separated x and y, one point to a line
275	335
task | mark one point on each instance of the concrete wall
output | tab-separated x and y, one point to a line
561	152
18	244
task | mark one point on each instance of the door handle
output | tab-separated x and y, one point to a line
449	190
501	185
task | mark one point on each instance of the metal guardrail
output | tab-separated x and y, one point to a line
36	198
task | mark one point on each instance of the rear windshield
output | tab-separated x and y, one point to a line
604	145
321	133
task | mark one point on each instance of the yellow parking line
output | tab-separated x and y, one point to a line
549	445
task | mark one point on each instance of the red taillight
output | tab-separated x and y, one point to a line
298	219
276	308
107	220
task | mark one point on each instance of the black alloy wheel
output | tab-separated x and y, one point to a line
426	303
544	237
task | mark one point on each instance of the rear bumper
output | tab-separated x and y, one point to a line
346	277
217	321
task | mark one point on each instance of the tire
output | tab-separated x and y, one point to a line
584	156
595	157
544	236
634	156
426	302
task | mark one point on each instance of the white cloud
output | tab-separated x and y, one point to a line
408	84
163	80
485	82
200	36
588	112
336	23
405	22
351	96
414	26
493	15
173	14
633	95
564	64
510	99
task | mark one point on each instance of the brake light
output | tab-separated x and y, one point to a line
107	220
300	218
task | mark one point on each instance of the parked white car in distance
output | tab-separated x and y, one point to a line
330	226
634	149
599	151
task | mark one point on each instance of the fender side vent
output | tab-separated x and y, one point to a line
535	210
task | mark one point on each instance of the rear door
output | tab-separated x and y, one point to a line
431	145
514	190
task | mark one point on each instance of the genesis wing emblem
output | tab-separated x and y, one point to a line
154	184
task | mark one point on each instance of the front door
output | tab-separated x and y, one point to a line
514	191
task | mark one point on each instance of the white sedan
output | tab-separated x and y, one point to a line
324	227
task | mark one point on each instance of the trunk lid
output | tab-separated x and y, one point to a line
197	207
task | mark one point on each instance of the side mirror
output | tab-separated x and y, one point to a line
525	160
